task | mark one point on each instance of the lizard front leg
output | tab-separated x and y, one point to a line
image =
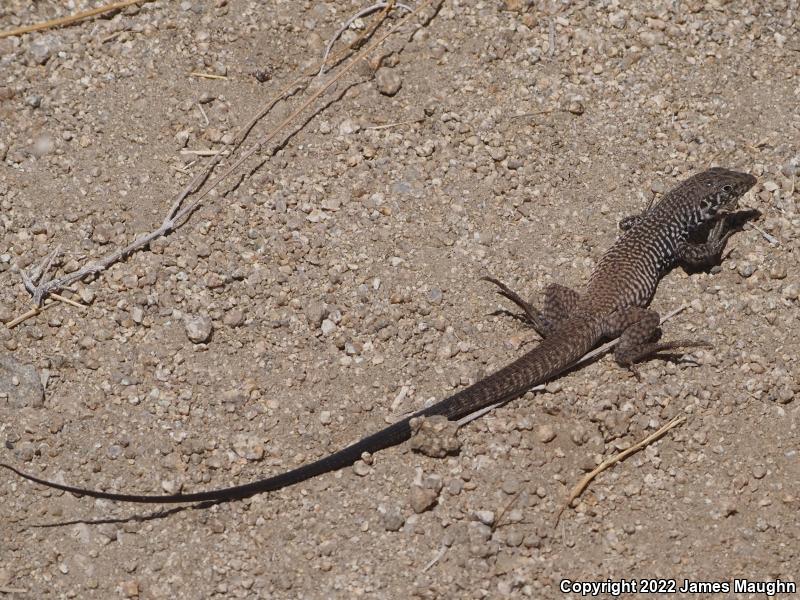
704	255
626	223
697	256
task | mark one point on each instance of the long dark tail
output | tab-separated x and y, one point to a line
551	357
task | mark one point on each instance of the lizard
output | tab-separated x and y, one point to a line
688	226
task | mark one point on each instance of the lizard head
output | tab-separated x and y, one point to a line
720	190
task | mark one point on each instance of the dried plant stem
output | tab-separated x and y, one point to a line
66	300
206	75
439	556
179	213
578	489
12	590
387	6
70	18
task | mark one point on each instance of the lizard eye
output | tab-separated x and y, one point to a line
727	188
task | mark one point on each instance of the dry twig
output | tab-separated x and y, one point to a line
66	300
398	124
206	75
11	590
387	6
70	18
180	212
770	238
435	559
505	510
578	489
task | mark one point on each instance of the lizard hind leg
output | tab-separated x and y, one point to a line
638	331
560	302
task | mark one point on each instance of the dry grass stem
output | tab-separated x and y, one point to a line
66	300
203	152
61	21
27	315
205	116
435	559
387	6
207	75
770	238
498	521
180	212
389	125
38	309
578	489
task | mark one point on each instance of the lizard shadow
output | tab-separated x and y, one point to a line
153	516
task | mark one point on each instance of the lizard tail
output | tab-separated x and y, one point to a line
555	354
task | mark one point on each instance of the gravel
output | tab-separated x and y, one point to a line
20	384
333	284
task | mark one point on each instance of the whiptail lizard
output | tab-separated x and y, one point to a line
613	304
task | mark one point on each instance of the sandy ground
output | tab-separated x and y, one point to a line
335	282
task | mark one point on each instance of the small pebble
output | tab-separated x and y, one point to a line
391	518
485	516
20	384
434	436
388	81
618	19
777	271
328	327
792	167
791	292
422	499
545	434
727	508
425	149
41	51
511	486
361	468
498	154
746	269
233	318
198	328
248	447
576	107
348	126
130	589
785	394
6	314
